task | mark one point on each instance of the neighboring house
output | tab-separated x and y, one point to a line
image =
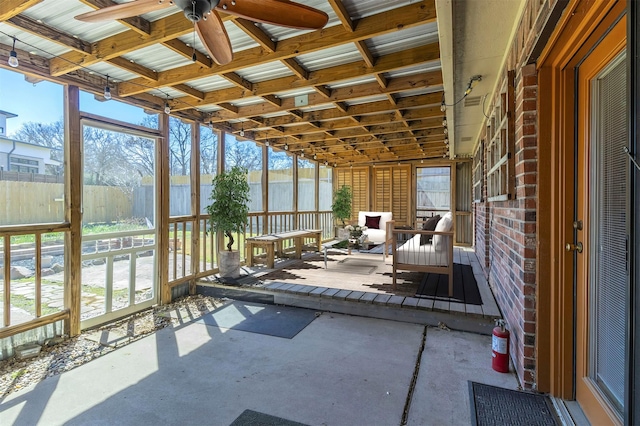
17	156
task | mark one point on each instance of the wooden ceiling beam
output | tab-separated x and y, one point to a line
11	8
366	54
127	65
238	81
386	22
342	13
257	34
194	93
42	30
296	68
162	30
187	51
332	75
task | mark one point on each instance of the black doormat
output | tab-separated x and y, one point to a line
255	418
491	405
465	287
272	320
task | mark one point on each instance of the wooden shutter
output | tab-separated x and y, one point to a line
400	195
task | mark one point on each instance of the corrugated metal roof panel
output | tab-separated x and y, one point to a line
211	83
361	8
264	72
157	57
403	39
29	42
339	55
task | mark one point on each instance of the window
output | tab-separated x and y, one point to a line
478	173
24	165
433	191
500	135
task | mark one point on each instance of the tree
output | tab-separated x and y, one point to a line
342	203
229	209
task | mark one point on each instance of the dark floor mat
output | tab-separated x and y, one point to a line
465	286
254	418
491	405
278	321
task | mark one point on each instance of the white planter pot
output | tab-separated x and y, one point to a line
342	233
229	265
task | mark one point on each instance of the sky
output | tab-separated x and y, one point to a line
43	103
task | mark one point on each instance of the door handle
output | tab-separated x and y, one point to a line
574	247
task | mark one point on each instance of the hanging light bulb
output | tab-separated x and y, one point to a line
13	56
315	156
286	147
267	143
242	130
107	90
445	130
326	163
167	108
443	107
444	123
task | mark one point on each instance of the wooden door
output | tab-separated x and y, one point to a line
601	228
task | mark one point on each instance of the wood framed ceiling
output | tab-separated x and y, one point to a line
365	89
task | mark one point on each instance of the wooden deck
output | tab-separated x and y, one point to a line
361	284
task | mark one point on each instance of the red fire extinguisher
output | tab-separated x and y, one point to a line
500	347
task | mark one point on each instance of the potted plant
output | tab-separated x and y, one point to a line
228	213
341	206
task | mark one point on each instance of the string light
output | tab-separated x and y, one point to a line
13	62
286	147
242	130
167	108
13	56
107	90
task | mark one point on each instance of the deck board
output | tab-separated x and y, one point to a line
370	282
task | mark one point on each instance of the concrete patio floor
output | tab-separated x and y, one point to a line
339	370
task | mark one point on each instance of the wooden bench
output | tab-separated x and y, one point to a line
272	244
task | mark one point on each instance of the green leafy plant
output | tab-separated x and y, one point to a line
229	209
342	203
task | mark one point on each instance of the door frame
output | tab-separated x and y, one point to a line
607	50
583	24
632	415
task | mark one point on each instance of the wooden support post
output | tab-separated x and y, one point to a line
162	209
73	208
195	204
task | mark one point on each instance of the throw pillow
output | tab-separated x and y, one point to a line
372	222
444	225
429	225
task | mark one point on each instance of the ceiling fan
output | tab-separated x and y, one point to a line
208	24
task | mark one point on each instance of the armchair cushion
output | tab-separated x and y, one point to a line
445	224
372	222
429	225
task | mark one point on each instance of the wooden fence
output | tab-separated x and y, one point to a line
34	202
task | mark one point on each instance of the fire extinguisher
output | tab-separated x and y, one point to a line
500	347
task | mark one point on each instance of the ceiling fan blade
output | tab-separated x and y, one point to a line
124	10
278	12
215	39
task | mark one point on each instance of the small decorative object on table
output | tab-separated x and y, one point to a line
356	234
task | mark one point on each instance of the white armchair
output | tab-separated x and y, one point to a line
380	227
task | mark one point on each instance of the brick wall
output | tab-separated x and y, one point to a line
505	233
512	235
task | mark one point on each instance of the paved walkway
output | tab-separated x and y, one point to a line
339	370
